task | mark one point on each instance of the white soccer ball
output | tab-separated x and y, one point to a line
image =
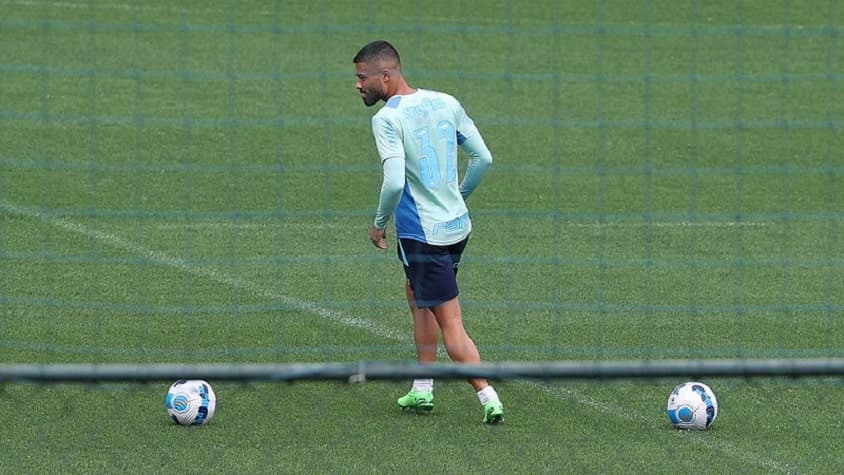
692	405
190	402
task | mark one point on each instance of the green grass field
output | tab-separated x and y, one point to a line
193	183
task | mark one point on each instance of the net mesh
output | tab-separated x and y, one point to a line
186	183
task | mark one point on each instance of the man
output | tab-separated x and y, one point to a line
417	133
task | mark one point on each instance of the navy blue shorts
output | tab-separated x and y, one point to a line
431	270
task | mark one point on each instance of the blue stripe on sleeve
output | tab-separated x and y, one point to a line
393	102
460	138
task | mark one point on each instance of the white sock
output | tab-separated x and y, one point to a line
487	394
424	385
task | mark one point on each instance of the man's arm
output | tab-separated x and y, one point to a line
480	158
391	152
391	189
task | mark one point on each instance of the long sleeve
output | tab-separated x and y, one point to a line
391	190
480	159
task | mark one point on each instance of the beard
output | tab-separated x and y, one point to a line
370	98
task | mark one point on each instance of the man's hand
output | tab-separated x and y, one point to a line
378	237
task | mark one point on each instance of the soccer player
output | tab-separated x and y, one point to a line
417	133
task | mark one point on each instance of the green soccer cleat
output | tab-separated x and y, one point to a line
418	401
493	412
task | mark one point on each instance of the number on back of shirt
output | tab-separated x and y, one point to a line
430	165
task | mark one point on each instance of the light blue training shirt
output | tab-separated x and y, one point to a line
417	137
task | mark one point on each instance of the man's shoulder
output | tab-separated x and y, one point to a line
401	108
384	114
430	93
397	103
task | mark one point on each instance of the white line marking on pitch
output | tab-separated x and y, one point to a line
360	323
208	273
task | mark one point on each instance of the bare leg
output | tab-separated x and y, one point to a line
426	331
458	344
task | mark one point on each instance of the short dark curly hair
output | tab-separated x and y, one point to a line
378	49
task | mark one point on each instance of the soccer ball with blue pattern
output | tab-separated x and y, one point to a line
692	406
190	402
